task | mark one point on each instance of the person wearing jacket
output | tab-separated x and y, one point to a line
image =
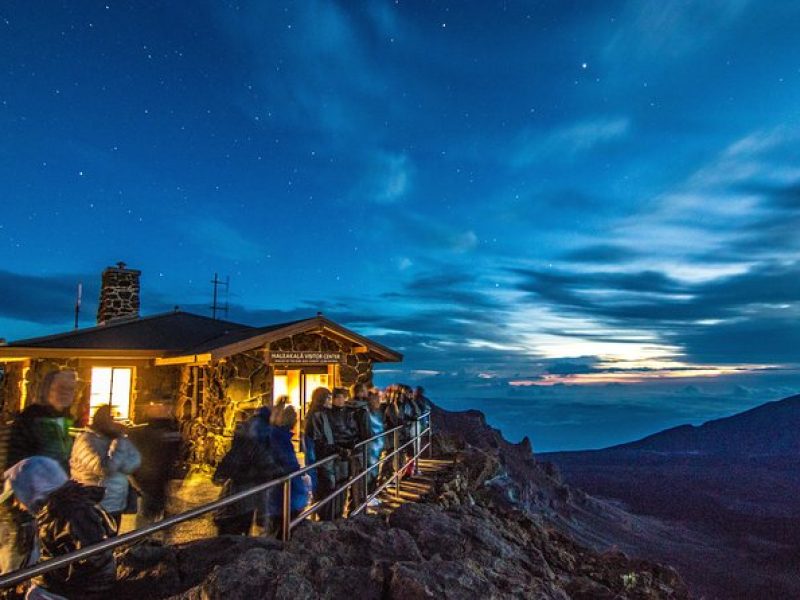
247	464
159	443
284	418
41	429
319	437
320	398
335	432
104	456
67	517
359	405
376	419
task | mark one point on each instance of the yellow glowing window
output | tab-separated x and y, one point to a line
112	386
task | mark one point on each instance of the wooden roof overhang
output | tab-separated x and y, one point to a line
19	353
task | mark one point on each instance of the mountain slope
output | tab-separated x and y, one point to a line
767	430
735	479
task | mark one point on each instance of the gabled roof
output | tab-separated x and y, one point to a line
166	332
180	337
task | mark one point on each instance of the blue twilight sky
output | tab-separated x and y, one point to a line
580	217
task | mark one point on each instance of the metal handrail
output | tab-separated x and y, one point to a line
21	575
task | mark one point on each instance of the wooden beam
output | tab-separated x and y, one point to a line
189	359
14	352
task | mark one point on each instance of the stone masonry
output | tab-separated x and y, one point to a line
119	294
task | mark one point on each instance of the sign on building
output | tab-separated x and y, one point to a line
304	357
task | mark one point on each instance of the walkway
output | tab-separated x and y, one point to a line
198	489
413	488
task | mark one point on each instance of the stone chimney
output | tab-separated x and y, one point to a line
119	294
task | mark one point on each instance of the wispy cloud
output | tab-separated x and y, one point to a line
218	238
387	180
566	143
324	42
655	31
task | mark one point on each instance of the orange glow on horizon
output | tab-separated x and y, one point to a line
702	371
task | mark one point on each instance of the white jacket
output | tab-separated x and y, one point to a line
98	460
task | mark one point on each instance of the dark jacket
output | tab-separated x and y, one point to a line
319	434
394	415
159	444
360	409
40	430
349	425
286	459
248	463
69	520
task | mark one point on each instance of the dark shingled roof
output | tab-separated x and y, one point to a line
231	337
179	334
172	332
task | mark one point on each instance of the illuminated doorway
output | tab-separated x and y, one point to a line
299	385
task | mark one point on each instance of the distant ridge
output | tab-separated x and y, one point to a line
769	429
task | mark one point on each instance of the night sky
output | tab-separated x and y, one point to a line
579	217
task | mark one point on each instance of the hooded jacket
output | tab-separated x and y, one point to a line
98	460
68	518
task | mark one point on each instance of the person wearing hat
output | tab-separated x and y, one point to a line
67	518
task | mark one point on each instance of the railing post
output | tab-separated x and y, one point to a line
287	510
365	457
417	445
430	436
396	462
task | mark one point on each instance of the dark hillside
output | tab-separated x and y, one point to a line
736	479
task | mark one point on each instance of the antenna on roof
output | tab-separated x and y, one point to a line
78	296
215	306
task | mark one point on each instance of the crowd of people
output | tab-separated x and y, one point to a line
341	430
61	495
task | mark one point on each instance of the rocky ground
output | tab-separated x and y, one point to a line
482	533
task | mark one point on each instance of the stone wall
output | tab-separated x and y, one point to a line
24	378
244	381
150	384
357	368
11	388
154	385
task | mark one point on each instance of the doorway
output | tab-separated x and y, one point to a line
299	385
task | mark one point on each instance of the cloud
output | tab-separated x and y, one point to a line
746	317
566	143
388	180
652	31
409	229
313	61
46	299
218	238
602	254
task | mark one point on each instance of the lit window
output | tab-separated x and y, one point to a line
111	386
